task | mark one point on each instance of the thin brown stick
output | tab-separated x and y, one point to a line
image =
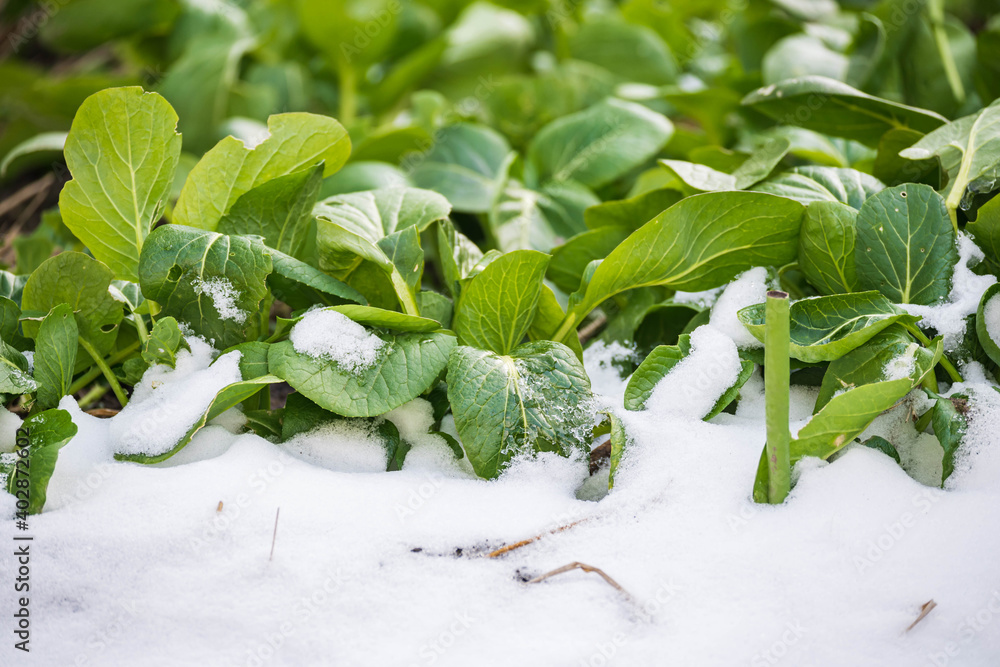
26	193
102	413
219	508
576	565
274	538
926	609
589	331
523	543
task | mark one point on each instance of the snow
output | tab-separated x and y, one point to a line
327	334
991	315
168	401
9	423
903	365
223	296
137	564
748	289
694	385
948	318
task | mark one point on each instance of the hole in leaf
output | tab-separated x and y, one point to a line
903	194
175	273
108	328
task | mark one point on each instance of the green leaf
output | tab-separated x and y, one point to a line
464	165
280	210
536	399
633	52
828	327
826	247
619	441
570	260
809	184
906	245
522	218
301	286
988	322
408	366
548	316
882	445
969	151
165	341
230	169
229	397
435	307
631	213
890	354
55	356
950	424
457	255
210	281
985	231
497	306
46	433
122	150
757	167
387	319
83	283
699	243
660	362
845	416
43	142
599	144
302	416
831	107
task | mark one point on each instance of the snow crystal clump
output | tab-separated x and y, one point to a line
223	296
747	290
327	334
948	318
9	423
694	385
346	445
902	366
428	451
168	401
603	362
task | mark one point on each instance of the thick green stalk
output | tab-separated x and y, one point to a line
92	396
776	389
95	372
348	93
103	365
945	362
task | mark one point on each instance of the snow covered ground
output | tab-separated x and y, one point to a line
138	565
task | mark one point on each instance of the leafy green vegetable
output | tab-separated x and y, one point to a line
987	320
950	425
497	306
212	282
165	341
122	151
826	247
535	399
55	356
45	434
905	245
464	165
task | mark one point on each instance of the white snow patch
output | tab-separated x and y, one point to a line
168	401
902	366
345	445
9	423
327	334
29	356
703	299
748	289
428	451
948	318
991	317
602	362
694	385
223	296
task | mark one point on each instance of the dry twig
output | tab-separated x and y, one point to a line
924	610
517	545
274	538
576	565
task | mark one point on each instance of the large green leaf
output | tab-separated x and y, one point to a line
87	24
950	424
570	260
55	356
408	365
828	327
522	218
497	306
826	247
457	255
969	150
122	151
165	341
46	433
301	285
81	282
906	245
631	213
845	417
660	362
831	107
890	355
633	52
809	184
230	169
210	281
596	146
985	231
988	322
536	399
280	210
375	214
464	165
699	243
757	167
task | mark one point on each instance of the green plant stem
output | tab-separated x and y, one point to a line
776	389
95	372
945	362
403	293
103	365
923	421
92	396
140	328
936	12
348	93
